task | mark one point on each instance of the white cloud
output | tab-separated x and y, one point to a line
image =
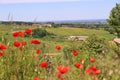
34	1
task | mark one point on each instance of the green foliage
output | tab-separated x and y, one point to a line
67	52
94	44
23	64
39	33
114	19
57	25
110	30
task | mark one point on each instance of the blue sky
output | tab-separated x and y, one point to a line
49	10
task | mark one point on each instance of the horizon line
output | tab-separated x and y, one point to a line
52	20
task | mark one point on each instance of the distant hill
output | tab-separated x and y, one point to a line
90	21
82	21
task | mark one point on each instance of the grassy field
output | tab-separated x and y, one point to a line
23	63
65	32
61	35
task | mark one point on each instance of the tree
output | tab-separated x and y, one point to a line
114	19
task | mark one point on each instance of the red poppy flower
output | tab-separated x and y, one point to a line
59	75
58	47
92	60
35	42
23	43
36	78
38	51
18	34
1	54
75	52
92	70
15	34
2	47
77	65
21	34
63	69
28	31
43	64
82	61
17	44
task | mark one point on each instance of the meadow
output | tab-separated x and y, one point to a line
56	58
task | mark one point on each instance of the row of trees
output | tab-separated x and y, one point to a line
86	25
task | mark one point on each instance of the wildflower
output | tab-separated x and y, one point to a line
28	31
36	78
92	60
82	61
2	47
18	34
15	34
43	64
59	75
17	44
75	52
1	54
92	70
35	41
37	51
63	69
58	47
77	65
23	43
21	34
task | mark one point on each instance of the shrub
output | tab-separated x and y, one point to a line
39	33
94	44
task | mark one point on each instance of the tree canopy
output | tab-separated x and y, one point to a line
114	19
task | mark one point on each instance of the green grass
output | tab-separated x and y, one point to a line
61	33
23	65
65	32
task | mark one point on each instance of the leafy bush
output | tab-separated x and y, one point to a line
94	44
39	33
110	30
